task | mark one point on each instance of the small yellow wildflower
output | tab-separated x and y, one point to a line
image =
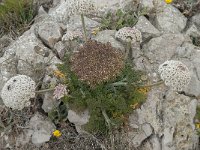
59	74
143	90
134	106
57	133
198	125
95	31
168	1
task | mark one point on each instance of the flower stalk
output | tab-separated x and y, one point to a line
84	28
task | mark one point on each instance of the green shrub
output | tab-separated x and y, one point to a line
112	97
120	19
16	16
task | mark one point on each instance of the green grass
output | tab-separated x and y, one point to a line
16	16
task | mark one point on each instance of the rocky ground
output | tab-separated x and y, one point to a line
164	122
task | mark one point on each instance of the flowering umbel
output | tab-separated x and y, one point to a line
96	63
60	91
175	74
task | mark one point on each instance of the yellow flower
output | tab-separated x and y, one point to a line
134	106
168	1
198	125
57	133
95	31
59	74
143	90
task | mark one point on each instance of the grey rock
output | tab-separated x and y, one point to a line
145	133
24	138
193	54
159	50
42	129
41	11
50	33
147	4
79	119
129	5
60	48
108	36
193	31
60	13
31	55
196	20
155	142
170	118
49	103
170	20
8	69
146	28
44	3
76	24
194	85
186	50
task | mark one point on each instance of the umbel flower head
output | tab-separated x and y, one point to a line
78	7
17	92
175	74
127	34
95	63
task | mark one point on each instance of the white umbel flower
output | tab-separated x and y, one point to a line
79	7
17	92
175	74
127	34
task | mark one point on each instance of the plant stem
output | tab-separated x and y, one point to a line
45	90
120	83
106	118
108	121
128	54
84	28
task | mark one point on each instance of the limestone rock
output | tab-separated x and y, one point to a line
196	20
108	36
145	133
78	119
60	49
50	33
159	50
146	28
170	20
76	24
147	4
49	102
42	129
171	117
193	31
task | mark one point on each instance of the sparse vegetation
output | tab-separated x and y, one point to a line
120	19
16	16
